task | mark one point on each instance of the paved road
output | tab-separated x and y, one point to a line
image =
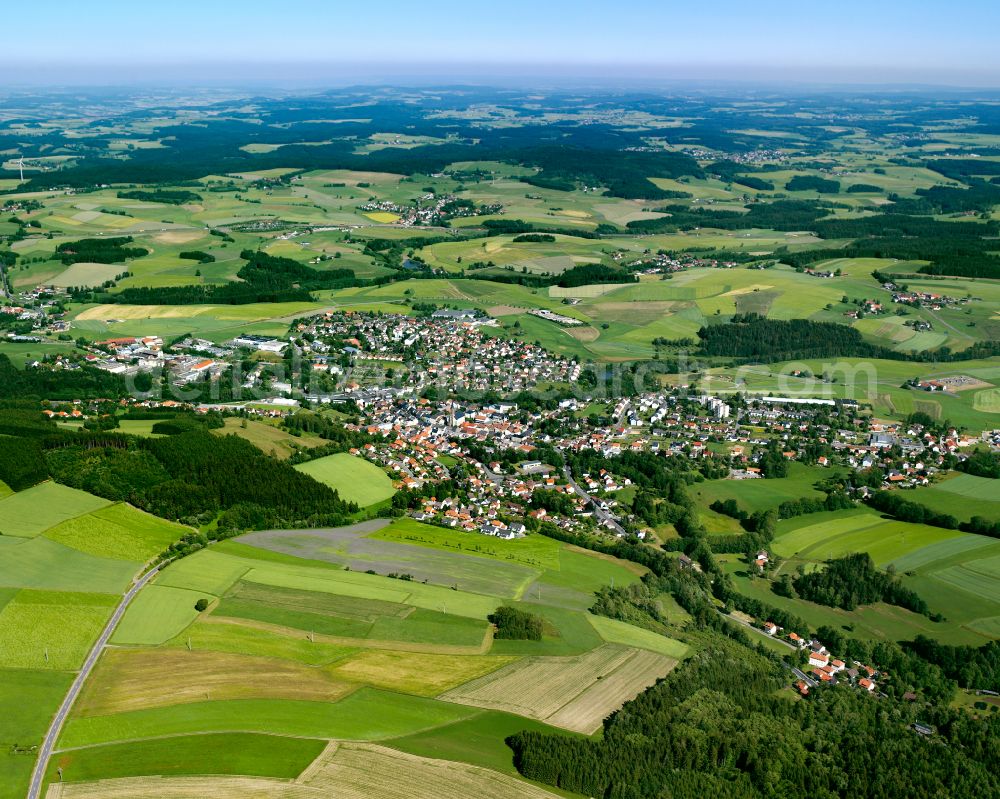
41	766
804	677
755	629
601	514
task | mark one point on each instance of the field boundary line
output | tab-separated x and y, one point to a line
328	753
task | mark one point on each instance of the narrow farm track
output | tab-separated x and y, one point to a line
55	728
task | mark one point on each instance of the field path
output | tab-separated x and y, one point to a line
41	766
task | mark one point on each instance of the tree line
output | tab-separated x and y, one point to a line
897	506
165	196
99	251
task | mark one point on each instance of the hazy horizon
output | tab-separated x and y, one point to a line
309	43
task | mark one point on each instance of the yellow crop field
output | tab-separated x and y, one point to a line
416	673
126	680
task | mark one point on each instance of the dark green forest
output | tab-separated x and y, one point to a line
716	727
854	580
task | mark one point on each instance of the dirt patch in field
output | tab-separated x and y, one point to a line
179	236
585	334
505	310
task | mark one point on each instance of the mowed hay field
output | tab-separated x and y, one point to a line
469	562
355	479
575	693
86	275
352	619
343	770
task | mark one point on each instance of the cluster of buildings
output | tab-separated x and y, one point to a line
650	263
430	209
40	308
187	361
924	299
453	350
749	157
828	670
867	307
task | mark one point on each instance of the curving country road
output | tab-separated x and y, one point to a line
41	766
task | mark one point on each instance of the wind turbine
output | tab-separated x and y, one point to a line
20	165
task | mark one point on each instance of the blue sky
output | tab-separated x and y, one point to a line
875	41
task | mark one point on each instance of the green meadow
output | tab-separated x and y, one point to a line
66	557
962	496
248	754
367	715
355	479
362	635
757	495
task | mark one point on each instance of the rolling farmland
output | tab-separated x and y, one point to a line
308	636
707	246
66	557
955	573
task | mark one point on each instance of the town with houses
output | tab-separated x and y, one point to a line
393	373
